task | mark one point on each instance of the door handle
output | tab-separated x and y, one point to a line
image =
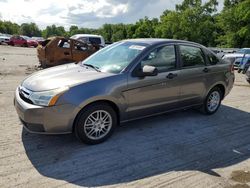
171	76
66	53
206	70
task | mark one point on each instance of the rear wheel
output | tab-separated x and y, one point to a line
212	101
95	123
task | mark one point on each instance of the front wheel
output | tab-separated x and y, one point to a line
95	123
212	101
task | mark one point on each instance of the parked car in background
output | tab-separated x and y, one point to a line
235	58
4	39
243	51
219	52
248	75
59	50
243	63
38	39
93	39
124	81
23	41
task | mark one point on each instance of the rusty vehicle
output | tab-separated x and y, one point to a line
60	50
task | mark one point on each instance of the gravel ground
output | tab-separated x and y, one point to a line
181	149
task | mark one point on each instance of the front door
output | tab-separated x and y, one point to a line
63	52
154	94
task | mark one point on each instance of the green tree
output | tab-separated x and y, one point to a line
107	32
30	29
234	22
191	20
54	31
145	28
73	30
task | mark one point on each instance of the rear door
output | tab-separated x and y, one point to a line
192	75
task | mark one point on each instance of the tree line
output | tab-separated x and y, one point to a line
191	20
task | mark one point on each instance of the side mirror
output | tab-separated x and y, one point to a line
147	71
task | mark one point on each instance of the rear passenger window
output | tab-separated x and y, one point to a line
213	60
163	58
191	56
94	40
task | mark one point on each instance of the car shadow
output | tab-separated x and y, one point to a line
180	141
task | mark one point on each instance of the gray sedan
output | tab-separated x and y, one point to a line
125	81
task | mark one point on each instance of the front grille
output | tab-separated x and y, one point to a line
25	99
24	94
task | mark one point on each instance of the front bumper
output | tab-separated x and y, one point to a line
45	120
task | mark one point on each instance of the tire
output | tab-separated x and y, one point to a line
207	108
244	70
88	126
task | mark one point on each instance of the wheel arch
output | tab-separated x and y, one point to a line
108	102
221	86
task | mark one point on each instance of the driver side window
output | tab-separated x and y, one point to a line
163	58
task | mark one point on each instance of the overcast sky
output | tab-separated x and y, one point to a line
83	13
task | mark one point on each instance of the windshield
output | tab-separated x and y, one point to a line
115	57
26	38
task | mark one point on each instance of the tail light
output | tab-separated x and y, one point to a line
231	67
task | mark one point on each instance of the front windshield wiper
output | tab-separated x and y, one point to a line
93	67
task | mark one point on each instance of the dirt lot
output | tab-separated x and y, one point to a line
181	149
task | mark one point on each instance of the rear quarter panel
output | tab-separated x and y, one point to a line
220	74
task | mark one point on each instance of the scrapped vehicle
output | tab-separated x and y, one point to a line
92	39
237	56
59	50
125	81
4	39
248	75
23	41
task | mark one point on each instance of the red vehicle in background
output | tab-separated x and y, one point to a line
22	41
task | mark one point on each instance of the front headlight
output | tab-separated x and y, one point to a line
47	98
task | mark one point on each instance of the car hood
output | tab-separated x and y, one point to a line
61	76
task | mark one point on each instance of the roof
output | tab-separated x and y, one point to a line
153	41
236	55
65	38
84	35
